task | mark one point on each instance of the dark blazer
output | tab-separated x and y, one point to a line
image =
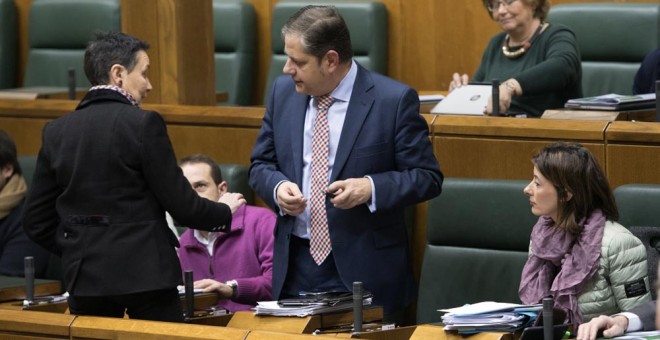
383	136
646	313
105	175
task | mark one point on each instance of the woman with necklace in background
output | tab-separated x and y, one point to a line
537	63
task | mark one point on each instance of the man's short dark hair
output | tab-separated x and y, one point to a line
8	152
110	48
216	174
321	29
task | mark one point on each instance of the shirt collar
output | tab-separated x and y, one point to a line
345	88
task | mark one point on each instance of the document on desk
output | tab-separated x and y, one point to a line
274	308
648	335
490	316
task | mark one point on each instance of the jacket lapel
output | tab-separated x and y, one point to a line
297	110
361	102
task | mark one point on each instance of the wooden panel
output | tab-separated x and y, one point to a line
180	33
493	158
633	153
87	327
37	323
140	19
424	332
267	335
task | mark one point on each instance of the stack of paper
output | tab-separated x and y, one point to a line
490	316
277	309
613	101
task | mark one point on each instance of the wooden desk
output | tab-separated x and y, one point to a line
13	288
424	332
646	115
502	147
41	92
39	325
247	320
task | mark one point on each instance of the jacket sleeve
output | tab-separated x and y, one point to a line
168	184
40	220
626	256
258	288
646	313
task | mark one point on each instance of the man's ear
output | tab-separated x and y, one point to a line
223	187
7	171
117	75
332	58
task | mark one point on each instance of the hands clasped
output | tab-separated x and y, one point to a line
210	286
345	194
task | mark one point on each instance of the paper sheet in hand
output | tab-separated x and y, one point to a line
465	100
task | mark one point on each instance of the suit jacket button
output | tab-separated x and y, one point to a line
66	235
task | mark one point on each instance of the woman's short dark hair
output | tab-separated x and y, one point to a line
321	29
8	152
216	173
110	48
571	168
541	7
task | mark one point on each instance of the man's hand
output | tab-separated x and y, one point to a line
612	326
290	199
233	199
210	286
350	192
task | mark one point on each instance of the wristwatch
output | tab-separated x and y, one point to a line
234	287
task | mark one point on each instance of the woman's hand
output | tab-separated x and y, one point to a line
508	89
458	81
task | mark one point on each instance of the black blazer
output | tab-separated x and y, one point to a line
105	175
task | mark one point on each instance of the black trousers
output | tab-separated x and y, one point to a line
156	305
304	275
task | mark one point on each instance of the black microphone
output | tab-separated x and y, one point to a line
496	97
28	263
548	322
190	294
72	84
357	306
657	100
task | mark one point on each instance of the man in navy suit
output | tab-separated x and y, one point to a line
378	160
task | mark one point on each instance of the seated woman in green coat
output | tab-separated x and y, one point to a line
579	255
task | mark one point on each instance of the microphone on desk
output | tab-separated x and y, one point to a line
496	97
28	263
357	306
548	322
190	294
657	100
72	83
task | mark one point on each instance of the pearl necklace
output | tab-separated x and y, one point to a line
523	48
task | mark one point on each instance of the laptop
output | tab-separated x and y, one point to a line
465	100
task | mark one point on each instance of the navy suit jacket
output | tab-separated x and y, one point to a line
383	136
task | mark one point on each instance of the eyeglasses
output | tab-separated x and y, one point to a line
495	5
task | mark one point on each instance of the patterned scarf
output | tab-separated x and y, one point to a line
560	263
12	194
117	89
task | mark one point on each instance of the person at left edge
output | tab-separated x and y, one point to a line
379	161
105	175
